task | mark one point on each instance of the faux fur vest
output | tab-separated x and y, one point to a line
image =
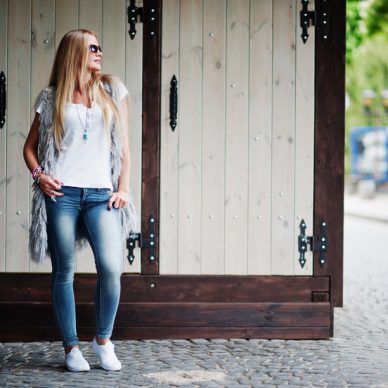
47	156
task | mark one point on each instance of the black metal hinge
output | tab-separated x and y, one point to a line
319	244
319	17
142	15
143	242
3	99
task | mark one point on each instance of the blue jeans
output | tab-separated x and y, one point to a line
88	209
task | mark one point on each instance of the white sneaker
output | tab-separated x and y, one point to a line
106	353
75	361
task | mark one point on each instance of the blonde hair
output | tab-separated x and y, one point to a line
69	74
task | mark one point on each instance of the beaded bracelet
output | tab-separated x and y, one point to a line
37	172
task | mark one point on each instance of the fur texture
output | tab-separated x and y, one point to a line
47	156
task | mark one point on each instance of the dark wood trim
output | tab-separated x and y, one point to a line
151	130
182	306
17	287
170	314
329	143
21	333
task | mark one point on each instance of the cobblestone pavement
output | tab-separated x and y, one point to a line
357	356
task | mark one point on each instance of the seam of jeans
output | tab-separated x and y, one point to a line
99	274
60	323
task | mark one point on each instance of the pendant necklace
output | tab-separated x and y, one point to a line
86	126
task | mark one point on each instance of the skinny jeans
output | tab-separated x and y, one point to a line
84	209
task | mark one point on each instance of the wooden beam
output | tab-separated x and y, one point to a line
329	142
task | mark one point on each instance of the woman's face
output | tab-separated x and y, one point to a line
94	59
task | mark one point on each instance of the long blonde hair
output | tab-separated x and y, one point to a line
69	74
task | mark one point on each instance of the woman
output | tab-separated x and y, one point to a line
77	151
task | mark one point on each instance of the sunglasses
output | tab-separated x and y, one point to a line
94	48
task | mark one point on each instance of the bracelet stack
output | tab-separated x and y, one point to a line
36	173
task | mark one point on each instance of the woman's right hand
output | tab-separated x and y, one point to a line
49	186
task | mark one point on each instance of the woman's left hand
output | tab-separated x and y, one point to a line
119	199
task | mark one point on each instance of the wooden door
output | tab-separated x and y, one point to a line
237	171
30	33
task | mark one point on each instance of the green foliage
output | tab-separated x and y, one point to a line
354	36
377	17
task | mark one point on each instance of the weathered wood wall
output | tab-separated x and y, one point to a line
30	31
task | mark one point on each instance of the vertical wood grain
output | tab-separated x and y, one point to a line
90	17
66	18
113	36
19	108
169	145
213	137
42	57
133	80
304	141
190	137
3	133
260	138
283	137
236	152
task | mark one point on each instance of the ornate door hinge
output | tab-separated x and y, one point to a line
319	244
143	242
142	15
3	100
319	17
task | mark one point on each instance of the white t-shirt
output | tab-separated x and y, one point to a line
85	162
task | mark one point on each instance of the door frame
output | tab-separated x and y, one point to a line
329	127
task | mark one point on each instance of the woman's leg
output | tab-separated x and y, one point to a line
104	234
62	218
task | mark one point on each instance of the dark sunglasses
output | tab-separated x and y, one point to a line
94	48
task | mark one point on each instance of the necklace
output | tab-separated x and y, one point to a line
86	126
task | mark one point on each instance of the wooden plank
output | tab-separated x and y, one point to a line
329	143
260	138
283	137
3	134
19	108
90	16
151	132
286	333
17	334
173	288
304	141
66	18
169	141
114	25
236	147
190	137
133	81
213	137
42	58
179	314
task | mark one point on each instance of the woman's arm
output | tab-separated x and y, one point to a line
30	154
121	198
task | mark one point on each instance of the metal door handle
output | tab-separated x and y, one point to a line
173	101
3	99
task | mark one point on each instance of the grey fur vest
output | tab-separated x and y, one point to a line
47	156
